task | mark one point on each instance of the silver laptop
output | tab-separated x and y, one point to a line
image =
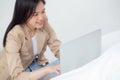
80	51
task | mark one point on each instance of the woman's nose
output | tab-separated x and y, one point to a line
40	17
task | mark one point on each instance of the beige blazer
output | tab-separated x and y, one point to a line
18	52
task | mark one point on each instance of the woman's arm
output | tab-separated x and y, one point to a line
12	48
53	42
35	75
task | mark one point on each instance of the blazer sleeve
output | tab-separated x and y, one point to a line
12	48
53	42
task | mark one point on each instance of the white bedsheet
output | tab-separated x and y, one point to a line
110	39
105	67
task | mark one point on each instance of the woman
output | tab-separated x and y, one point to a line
25	42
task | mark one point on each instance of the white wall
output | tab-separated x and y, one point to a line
72	18
6	12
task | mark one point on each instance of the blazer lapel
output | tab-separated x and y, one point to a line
41	39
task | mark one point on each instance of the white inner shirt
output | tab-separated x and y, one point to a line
34	41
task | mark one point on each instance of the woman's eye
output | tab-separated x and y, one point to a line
35	14
43	11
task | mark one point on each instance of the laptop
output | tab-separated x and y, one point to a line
80	51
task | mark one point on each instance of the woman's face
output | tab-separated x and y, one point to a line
37	20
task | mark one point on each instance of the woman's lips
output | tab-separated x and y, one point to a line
40	23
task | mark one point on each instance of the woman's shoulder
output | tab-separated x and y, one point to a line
17	30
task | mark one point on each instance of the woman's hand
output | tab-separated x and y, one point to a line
53	69
35	75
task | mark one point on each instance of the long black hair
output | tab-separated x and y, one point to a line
22	11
